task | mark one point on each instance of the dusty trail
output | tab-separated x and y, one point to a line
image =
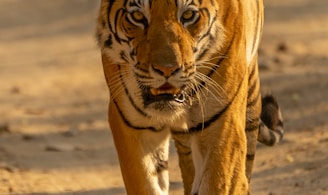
54	137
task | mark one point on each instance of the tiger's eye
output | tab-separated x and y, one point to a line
137	16
188	15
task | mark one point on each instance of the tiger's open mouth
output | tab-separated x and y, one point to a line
164	93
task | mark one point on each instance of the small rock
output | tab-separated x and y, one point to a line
296	97
289	158
276	60
70	133
282	47
61	148
34	111
264	66
27	137
4	128
323	140
15	90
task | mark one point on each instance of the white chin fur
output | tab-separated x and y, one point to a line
167	117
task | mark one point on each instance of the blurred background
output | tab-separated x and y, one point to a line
54	136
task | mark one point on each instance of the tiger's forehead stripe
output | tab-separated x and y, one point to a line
181	3
148	3
140	3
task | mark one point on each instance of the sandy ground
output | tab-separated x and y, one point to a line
54	136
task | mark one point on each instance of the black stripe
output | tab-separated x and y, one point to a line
213	70
254	101
138	67
192	3
124	57
180	145
252	88
142	76
201	55
252	73
206	124
253	85
125	2
129	124
211	41
108	11
161	165
133	4
210	25
250	156
220	60
117	16
252	125
109	41
273	138
175	132
202	84
280	133
280	123
181	148
129	96
185	153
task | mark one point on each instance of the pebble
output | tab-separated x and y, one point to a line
58	147
4	128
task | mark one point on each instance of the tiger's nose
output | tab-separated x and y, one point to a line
166	70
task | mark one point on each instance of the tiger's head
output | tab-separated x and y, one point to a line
158	53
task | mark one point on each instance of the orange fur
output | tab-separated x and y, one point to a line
194	78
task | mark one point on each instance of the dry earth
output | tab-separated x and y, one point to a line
54	137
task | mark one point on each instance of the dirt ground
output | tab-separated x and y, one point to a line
54	136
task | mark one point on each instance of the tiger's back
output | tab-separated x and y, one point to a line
186	69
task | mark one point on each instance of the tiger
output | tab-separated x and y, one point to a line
186	70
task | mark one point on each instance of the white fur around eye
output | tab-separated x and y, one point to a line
139	14
137	18
189	17
187	14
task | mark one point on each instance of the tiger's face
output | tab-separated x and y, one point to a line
162	51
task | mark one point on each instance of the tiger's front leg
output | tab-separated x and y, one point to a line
219	151
143	156
182	144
